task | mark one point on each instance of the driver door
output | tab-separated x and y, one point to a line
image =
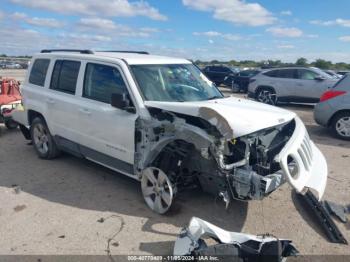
107	133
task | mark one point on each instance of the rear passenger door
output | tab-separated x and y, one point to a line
283	81
62	104
108	133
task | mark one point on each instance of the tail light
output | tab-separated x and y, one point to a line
331	94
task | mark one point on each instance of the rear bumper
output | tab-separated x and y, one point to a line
309	165
323	112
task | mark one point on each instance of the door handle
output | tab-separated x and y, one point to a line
50	101
85	111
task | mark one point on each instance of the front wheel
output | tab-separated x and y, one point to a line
43	142
341	125
266	96
157	190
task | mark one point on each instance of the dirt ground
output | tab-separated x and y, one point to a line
72	206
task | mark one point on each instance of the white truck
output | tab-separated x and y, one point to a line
161	121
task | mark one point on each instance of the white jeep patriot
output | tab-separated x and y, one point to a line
161	121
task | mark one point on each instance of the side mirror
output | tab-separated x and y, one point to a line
123	102
320	78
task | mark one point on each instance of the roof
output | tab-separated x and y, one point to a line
130	58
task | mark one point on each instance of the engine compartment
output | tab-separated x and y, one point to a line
243	168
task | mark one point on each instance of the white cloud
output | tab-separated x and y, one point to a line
231	37
109	27
339	21
344	38
37	21
97	23
286	47
109	8
287	13
285	31
211	41
235	11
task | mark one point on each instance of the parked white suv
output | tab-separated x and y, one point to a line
290	84
161	121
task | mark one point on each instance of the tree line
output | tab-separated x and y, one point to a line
320	63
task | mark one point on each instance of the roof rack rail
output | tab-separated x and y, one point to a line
81	51
123	51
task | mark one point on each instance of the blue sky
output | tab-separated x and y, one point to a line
195	29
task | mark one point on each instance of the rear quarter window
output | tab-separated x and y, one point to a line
343	84
65	75
272	73
38	72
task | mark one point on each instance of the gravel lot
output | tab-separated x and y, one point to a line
55	207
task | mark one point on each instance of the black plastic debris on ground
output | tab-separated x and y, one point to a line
336	210
333	233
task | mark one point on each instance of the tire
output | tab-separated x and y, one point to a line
266	95
10	124
341	125
43	142
157	190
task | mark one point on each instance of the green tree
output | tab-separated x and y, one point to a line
323	64
301	62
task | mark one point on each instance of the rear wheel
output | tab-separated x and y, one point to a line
157	190
266	95
341	125
43	142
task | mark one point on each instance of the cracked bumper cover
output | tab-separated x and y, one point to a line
245	246
309	165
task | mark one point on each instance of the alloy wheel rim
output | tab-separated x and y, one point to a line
157	190
343	126
41	140
267	97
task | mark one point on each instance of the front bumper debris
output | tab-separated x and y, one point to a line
230	245
310	166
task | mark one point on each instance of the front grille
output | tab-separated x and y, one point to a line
305	152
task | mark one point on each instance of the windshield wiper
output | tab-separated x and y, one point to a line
214	97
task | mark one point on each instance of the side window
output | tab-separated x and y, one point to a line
64	76
287	73
305	74
272	73
38	73
225	70
101	81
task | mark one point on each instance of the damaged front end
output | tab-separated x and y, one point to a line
201	151
230	246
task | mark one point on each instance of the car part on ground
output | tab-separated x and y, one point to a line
294	84
333	110
325	221
337	210
230	246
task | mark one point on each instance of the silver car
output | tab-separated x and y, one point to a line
334	109
293	84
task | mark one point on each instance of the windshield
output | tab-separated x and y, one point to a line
322	73
174	83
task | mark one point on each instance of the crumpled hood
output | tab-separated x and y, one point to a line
233	117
